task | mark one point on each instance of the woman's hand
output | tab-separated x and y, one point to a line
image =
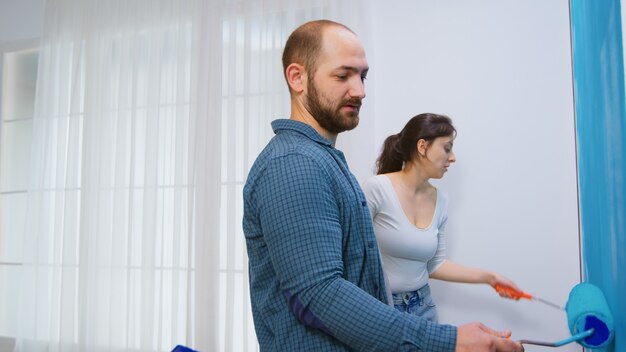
499	280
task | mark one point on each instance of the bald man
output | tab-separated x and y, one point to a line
316	281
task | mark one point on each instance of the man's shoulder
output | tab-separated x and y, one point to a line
294	146
288	153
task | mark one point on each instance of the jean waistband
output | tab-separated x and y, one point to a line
420	292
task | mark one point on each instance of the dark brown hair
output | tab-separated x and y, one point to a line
304	44
401	147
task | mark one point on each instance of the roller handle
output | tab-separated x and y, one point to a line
511	292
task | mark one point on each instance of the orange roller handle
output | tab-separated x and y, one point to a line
511	292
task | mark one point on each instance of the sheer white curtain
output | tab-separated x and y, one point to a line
148	115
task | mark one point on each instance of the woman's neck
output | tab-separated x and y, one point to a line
413	179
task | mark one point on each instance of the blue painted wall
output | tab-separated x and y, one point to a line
601	147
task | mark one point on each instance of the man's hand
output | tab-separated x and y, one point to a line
476	337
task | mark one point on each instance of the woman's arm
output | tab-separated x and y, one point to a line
453	272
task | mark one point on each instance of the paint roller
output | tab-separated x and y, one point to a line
588	317
587	309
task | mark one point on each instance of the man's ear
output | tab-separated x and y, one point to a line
296	77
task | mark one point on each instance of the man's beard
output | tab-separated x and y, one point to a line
329	117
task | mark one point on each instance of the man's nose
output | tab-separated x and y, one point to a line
357	88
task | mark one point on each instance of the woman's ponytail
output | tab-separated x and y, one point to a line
390	159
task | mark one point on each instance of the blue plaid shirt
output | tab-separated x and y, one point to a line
315	276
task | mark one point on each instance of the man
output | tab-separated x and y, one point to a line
315	275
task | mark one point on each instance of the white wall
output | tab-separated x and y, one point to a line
20	20
502	71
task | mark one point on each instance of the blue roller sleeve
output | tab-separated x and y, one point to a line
587	309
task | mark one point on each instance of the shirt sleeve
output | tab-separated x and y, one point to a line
440	255
300	218
372	191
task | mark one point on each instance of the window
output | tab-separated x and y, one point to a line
117	169
19	76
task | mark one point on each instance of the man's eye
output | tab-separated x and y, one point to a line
342	77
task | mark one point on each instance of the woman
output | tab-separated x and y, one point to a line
410	215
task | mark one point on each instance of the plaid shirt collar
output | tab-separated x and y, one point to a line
282	125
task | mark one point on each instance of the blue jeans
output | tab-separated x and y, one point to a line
418	303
